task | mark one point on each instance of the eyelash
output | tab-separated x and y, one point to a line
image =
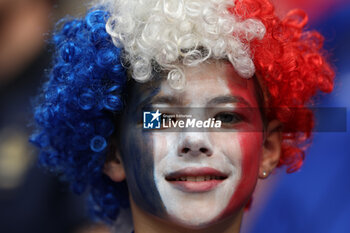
174	119
235	118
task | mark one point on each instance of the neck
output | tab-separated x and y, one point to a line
146	223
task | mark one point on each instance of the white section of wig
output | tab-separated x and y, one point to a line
171	32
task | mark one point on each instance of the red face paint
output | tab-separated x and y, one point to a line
250	137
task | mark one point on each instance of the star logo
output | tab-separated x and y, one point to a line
155	115
151	120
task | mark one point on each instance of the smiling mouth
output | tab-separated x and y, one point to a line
196	180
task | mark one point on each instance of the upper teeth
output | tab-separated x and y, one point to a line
198	178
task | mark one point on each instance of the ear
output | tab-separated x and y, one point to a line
114	169
271	149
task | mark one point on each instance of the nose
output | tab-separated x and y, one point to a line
194	144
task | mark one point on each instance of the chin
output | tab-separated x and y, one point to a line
196	210
200	222
194	223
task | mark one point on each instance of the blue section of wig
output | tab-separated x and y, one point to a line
76	110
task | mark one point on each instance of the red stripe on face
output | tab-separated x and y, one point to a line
250	138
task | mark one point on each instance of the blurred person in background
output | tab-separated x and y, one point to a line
30	200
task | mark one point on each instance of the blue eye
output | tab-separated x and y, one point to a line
228	117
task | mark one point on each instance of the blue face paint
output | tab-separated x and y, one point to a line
136	148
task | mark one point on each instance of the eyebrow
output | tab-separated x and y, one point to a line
165	99
225	99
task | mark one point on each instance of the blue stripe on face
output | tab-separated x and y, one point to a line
136	147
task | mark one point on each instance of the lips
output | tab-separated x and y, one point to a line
195	180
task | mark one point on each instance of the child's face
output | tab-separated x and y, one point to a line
154	161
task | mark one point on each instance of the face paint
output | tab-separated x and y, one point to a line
136	148
193	179
250	138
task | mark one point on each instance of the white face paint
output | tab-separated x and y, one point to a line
196	175
189	203
193	204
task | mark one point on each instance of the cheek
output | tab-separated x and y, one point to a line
250	141
162	146
138	157
251	147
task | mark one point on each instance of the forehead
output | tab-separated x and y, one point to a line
207	81
204	83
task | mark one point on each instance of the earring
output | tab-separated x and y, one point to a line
264	174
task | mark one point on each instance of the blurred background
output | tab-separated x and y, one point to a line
315	199
31	200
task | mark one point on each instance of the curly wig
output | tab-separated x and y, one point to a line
76	111
291	67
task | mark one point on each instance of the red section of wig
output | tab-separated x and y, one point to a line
291	66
